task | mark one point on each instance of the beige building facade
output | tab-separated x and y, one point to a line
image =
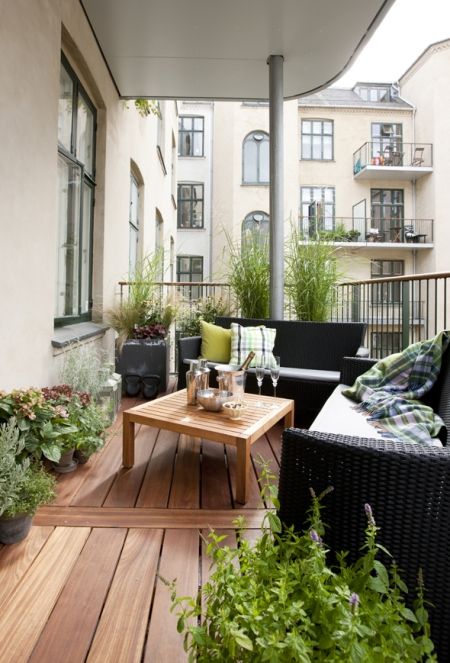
88	186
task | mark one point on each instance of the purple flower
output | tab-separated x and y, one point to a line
369	514
314	536
354	601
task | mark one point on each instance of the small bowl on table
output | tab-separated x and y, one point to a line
213	399
234	409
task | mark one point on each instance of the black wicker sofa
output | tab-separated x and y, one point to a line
311	354
407	486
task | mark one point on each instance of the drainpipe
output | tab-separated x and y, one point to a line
211	172
275	63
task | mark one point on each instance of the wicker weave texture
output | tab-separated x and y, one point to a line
408	488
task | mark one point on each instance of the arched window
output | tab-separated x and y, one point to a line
255	228
255	158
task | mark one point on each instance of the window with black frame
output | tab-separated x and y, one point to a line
191	136
255	158
387	212
317	140
255	228
190	206
390	292
76	182
190	270
387	141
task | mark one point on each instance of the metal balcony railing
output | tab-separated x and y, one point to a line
393	154
398	310
364	230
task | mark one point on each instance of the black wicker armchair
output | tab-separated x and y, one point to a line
407	486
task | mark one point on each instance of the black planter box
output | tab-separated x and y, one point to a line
144	366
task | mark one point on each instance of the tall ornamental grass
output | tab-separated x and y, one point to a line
311	276
249	275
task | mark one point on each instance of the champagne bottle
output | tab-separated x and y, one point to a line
246	363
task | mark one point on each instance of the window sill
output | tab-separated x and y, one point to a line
64	336
255	183
191	229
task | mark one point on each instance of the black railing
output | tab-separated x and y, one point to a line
364	230
398	310
394	154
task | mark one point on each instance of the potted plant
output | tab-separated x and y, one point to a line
142	322
278	600
249	274
24	485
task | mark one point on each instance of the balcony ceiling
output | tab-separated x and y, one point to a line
390	173
211	49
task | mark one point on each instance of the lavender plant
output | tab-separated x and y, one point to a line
279	601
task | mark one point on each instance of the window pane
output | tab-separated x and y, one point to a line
250	161
198	124
317	147
197	214
198	144
197	265
185	145
65	109
134	199
264	174
69	177
306	127
184	210
327	127
86	248
327	147
187	122
133	251
306	147
85	135
317	127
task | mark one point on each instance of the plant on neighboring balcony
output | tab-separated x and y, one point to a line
277	600
207	309
249	275
311	276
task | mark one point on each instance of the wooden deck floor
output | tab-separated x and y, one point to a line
83	586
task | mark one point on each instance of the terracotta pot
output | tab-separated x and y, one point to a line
14	529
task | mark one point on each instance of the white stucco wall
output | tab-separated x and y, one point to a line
32	35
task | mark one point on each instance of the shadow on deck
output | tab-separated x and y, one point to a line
83	586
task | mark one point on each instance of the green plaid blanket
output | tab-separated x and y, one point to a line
391	389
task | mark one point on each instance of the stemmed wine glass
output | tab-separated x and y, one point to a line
275	373
260	368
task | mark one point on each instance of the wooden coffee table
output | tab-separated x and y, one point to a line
172	413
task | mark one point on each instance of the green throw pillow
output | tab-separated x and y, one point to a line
245	339
216	342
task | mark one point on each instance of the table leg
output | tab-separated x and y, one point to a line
128	441
242	470
289	419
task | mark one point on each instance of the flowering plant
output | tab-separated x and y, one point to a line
54	420
151	331
277	600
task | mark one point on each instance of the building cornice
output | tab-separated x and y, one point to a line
355	109
423	58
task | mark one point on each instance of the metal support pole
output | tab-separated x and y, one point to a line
275	63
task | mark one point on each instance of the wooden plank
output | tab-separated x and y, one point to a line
180	560
121	630
185	492
16	560
145	518
126	487
216	493
97	484
26	611
69	631
157	482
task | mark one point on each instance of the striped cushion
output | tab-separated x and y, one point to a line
245	339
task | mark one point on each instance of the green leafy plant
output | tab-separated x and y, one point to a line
144	305
207	309
23	485
147	107
87	419
279	601
85	369
249	275
43	426
311	276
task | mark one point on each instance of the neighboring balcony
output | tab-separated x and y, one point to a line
397	161
413	233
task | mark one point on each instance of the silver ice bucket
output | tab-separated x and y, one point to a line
230	378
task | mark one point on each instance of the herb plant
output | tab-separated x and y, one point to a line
279	601
23	485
